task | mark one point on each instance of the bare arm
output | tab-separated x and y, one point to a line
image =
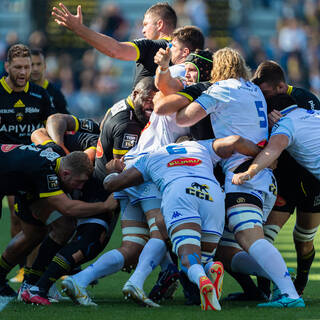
264	159
77	208
107	45
163	79
225	147
126	179
190	115
170	104
39	136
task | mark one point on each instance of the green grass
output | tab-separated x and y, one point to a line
112	305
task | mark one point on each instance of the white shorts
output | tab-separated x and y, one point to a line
262	186
143	192
193	199
130	212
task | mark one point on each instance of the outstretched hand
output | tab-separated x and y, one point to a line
63	17
240	178
163	57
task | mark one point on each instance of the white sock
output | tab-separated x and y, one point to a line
208	266
271	261
150	257
242	262
195	272
109	263
166	261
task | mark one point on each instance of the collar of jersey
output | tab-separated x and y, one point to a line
130	102
8	89
166	38
45	84
285	111
58	163
289	89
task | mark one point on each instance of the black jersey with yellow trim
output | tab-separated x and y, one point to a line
304	98
146	50
86	125
22	112
56	96
120	132
202	130
29	168
80	141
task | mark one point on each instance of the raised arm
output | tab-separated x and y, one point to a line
107	45
225	147
264	159
163	79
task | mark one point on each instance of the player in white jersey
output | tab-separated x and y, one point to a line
193	203
237	106
298	132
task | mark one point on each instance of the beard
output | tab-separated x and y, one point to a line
140	114
15	82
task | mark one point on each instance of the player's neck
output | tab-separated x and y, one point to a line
12	86
164	35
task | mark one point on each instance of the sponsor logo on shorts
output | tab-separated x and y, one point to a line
280	202
99	152
53	182
190	162
200	191
241	200
129	140
8	147
176	214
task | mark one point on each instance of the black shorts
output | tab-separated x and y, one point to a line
297	187
23	211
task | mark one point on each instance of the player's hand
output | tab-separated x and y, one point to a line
63	17
163	57
240	178
115	165
273	117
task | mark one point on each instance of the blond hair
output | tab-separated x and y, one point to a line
229	64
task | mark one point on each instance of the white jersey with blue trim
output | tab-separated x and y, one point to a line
302	127
186	159
236	107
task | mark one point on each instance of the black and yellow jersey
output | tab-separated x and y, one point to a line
29	169
80	141
202	130
120	132
56	96
146	50
86	125
22	112
304	98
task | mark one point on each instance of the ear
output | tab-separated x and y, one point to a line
134	94
186	52
65	173
160	24
6	66
282	87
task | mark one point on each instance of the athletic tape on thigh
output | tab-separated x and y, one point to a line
138	235
304	235
183	237
243	217
152	225
270	232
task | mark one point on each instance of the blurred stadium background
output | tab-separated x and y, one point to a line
283	30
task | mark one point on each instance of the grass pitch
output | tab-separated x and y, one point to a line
111	304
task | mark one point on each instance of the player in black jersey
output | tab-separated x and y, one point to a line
120	131
38	71
45	176
158	24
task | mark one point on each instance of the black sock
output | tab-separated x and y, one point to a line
47	251
303	268
5	268
58	267
245	281
264	285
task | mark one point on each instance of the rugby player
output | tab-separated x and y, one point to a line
159	22
246	208
38	76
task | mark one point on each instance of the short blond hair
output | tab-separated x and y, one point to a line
229	64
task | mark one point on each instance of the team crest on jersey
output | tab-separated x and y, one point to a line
129	140
8	147
190	162
99	151
53	182
200	191
19	116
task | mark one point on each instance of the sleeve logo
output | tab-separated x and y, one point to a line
86	125
53	182
129	140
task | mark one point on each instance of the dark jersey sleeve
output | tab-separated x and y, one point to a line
305	99
47	107
194	91
87	125
58	99
125	136
80	141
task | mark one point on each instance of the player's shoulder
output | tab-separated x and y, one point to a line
36	91
120	109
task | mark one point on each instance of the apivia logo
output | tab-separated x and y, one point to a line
19	128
